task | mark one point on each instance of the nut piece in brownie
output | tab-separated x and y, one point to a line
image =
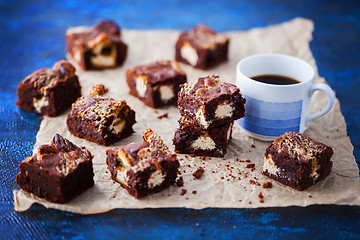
58	172
100	119
210	102
202	47
190	138
143	168
156	84
49	91
297	161
98	47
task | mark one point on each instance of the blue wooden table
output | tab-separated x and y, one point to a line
32	37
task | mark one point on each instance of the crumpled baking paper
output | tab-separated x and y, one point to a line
228	182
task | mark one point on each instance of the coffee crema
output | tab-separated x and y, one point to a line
275	79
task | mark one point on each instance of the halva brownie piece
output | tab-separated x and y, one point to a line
49	91
156	84
202	47
297	161
192	139
210	102
98	47
101	119
58	172
143	168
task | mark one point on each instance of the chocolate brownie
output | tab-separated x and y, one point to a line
202	47
98	47
49	91
156	84
101	119
58	172
190	138
143	168
297	161
210	102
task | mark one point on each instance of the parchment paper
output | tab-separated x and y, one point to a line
226	182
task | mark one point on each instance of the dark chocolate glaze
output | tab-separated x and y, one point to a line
58	171
209	92
157	74
147	158
293	155
158	71
203	40
80	42
92	116
59	85
133	148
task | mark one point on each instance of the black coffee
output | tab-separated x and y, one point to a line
275	79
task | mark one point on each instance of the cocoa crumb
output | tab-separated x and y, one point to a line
180	182
192	155
240	200
261	200
267	185
250	165
310	196
193	192
247	160
165	115
183	192
199	172
253	146
98	89
250	202
261	195
252	182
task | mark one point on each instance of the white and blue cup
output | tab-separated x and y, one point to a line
271	110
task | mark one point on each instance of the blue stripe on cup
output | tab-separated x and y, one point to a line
269	118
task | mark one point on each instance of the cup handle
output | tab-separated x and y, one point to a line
329	92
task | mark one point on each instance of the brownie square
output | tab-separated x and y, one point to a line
49	91
100	119
192	139
297	161
98	47
202	47
58	172
156	84
210	102
143	168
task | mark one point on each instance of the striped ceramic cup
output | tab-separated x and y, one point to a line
273	109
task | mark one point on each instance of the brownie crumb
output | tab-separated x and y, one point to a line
165	115
252	182
250	202
261	195
250	165
253	146
267	185
261	200
194	192
180	182
98	89
183	192
199	172
310	196
248	161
